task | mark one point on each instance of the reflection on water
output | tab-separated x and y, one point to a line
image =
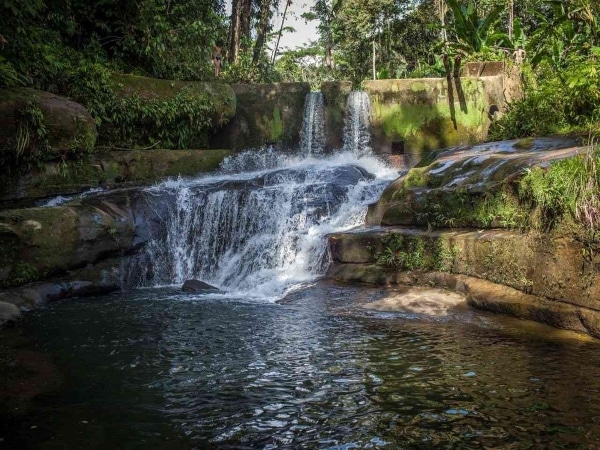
158	369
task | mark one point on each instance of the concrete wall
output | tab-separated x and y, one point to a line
410	117
265	114
335	99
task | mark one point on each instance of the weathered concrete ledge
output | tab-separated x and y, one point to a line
335	99
107	170
528	275
410	117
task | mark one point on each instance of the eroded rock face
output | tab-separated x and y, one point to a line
471	186
37	243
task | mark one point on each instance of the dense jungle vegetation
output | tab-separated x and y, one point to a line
75	48
71	47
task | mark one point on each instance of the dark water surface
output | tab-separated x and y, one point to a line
160	369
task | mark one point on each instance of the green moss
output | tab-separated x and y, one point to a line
20	274
416	177
274	126
525	143
418	86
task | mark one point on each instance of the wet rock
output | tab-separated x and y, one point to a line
418	300
468	186
68	124
197	286
8	312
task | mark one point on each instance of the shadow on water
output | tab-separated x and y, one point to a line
159	369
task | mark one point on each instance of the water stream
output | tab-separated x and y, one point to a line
160	369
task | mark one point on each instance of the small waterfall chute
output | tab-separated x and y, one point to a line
312	136
357	133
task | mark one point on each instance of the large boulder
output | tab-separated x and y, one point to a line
471	186
66	126
43	242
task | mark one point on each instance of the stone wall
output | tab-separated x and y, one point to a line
411	117
265	114
335	99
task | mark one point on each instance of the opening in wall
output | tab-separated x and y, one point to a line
398	148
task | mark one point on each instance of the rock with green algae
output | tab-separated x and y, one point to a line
69	127
472	186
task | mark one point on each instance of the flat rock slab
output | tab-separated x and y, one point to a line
419	300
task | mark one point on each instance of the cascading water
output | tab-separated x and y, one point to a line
312	138
357	136
258	229
263	233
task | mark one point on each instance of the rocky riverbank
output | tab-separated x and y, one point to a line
499	257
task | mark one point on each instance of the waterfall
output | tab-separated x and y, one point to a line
263	233
258	228
312	137
357	135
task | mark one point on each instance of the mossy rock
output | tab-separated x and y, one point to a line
41	242
178	114
69	127
476	186
110	169
219	95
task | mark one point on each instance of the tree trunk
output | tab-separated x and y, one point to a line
264	26
240	27
329	48
511	19
287	4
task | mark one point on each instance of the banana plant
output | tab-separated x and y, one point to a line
473	34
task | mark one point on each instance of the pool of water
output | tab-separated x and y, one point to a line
160	369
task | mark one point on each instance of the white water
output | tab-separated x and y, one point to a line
357	134
312	137
259	228
263	241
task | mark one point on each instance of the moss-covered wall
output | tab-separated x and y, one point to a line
179	114
266	114
335	99
417	115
